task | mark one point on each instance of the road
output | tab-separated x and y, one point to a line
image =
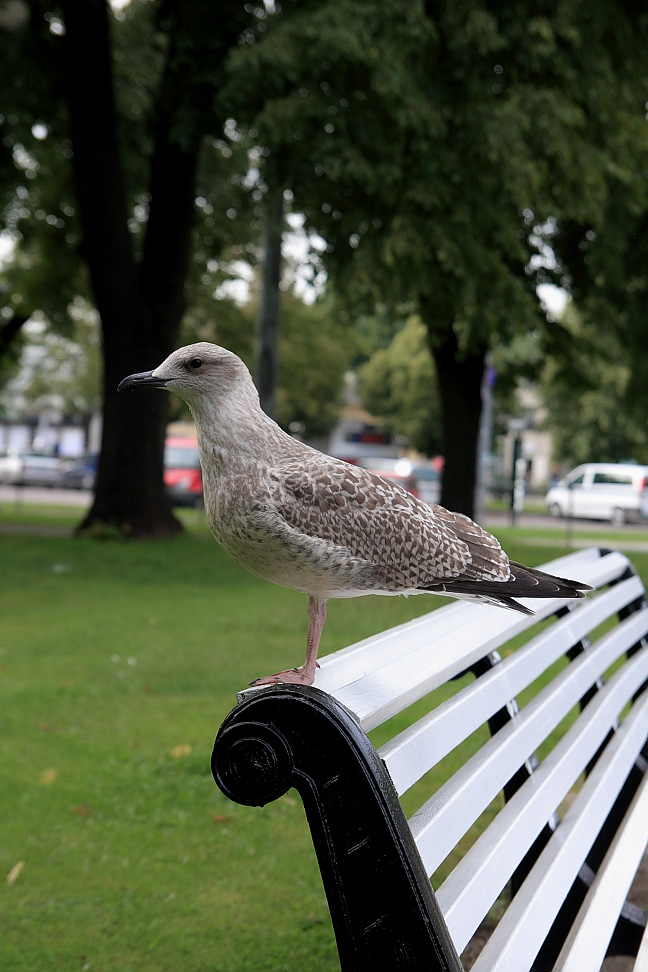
538	520
82	498
37	494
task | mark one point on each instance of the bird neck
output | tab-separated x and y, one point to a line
239	431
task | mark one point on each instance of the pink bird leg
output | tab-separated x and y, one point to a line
305	674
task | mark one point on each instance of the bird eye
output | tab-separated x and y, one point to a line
196	363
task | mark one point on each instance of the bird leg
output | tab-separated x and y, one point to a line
305	674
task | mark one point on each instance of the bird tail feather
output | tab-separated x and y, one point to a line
523	582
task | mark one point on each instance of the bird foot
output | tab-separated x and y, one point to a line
295	676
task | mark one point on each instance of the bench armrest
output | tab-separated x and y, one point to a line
382	920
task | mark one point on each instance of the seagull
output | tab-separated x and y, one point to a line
322	526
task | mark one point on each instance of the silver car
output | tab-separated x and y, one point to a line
30	469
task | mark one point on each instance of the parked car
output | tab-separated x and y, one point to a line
80	473
19	468
427	482
388	469
600	491
182	472
423	481
643	502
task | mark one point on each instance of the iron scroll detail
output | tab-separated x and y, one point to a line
382	905
252	764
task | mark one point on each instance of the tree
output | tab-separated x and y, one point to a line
141	303
585	390
608	277
35	184
138	258
431	145
268	319
440	149
57	371
316	349
400	384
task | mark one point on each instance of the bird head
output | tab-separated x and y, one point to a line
201	374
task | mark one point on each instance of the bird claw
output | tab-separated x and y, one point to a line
293	676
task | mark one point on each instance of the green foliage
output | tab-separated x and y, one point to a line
399	383
59	372
315	351
584	387
610	289
37	196
222	322
441	150
46	275
425	144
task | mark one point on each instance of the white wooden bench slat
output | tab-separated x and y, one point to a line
516	941
586	944
448	814
413	752
406	675
379	677
469	891
347	665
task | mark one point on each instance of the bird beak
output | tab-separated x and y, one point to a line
147	378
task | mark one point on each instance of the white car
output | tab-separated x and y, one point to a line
600	491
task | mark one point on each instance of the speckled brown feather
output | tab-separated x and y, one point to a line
410	544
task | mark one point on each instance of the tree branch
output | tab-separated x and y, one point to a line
9	331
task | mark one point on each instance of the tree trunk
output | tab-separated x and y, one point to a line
267	332
460	378
140	309
140	304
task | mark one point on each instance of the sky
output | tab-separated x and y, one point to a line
5	247
554	298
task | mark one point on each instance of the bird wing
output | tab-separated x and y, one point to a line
410	544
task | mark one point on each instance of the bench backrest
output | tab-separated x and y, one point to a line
518	743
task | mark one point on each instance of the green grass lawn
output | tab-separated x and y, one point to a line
118	662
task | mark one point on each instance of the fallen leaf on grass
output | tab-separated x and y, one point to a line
48	776
81	810
221	817
181	750
14	873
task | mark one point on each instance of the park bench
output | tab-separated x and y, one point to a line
531	733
